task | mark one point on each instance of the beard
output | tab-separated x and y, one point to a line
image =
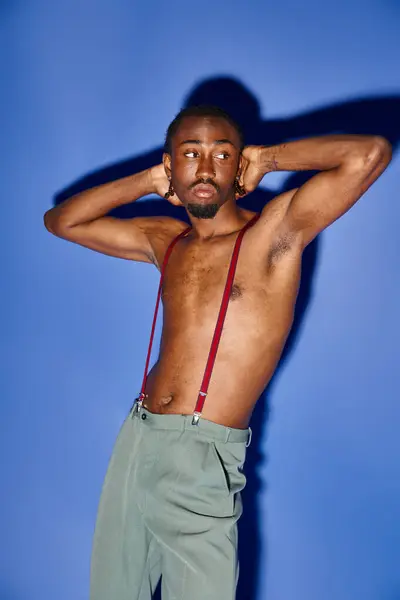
203	211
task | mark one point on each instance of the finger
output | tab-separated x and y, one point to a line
174	200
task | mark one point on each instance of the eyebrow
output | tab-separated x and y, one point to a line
217	142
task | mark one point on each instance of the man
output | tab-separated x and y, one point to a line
171	497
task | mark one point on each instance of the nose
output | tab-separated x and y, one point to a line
205	168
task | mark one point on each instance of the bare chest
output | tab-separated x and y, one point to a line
195	280
198	284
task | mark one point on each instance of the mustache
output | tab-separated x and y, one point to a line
204	182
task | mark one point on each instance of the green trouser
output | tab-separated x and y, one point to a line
169	507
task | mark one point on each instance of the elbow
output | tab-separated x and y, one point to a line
371	153
378	152
48	221
52	222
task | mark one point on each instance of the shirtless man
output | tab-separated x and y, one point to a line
171	498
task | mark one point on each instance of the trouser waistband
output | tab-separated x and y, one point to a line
185	422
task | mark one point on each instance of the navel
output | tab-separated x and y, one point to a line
164	400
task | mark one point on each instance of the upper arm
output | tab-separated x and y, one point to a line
139	239
329	194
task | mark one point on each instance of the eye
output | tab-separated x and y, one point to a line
191	154
223	155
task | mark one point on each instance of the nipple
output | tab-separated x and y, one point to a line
236	291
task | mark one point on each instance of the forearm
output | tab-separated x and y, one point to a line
98	201
318	153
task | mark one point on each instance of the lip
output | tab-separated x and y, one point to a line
204	190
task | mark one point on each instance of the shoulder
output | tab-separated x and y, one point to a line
274	212
160	232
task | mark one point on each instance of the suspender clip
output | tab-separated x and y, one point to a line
196	417
139	402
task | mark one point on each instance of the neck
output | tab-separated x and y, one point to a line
228	219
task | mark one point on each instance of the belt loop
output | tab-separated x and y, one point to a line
249	438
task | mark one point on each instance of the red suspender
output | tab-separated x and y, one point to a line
220	322
166	257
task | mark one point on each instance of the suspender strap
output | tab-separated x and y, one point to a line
220	322
165	261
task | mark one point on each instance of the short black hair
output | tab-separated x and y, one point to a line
202	110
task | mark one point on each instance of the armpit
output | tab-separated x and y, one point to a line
281	246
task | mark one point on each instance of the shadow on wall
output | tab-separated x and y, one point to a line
373	115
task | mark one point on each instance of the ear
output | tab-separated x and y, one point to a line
240	169
167	164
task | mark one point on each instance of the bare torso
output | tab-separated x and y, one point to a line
258	320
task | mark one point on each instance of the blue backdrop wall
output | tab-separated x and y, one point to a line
88	91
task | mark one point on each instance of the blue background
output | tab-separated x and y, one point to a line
89	89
